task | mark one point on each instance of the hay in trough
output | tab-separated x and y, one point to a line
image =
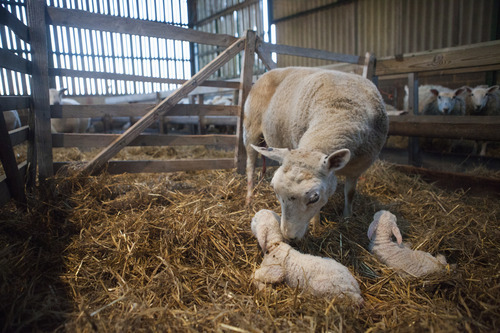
174	252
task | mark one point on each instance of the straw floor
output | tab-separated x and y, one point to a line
174	253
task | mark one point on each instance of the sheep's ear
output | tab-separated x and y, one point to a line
337	160
277	154
62	91
459	91
397	234
492	89
435	92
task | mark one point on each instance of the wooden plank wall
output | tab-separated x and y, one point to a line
15	77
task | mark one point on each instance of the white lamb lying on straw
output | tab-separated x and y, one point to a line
320	276
396	255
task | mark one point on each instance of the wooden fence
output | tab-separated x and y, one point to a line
41	140
40	157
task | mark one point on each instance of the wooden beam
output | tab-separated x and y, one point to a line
15	181
265	55
13	62
19	135
103	140
449	127
468	56
167	104
5	195
139	110
11	21
87	20
310	53
128	77
156	166
40	88
14	102
246	85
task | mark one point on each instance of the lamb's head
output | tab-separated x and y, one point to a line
55	96
479	96
446	100
303	183
266	228
384	225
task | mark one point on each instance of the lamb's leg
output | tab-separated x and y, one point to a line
251	157
349	190
483	148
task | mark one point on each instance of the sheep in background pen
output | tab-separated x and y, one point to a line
439	100
483	101
66	125
320	276
398	255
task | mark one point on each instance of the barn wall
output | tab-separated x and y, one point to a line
384	27
231	17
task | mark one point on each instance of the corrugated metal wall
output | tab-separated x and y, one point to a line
384	27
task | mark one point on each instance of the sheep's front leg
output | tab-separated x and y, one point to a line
349	190
251	157
270	273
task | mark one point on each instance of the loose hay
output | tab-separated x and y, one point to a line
174	252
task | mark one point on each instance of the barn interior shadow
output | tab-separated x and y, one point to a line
33	294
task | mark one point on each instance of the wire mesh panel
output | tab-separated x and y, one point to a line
93	50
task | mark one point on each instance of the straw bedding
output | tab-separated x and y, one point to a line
174	252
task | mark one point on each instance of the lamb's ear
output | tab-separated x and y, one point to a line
277	154
371	229
435	92
337	160
397	234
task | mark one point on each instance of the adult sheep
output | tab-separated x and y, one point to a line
66	125
438	100
325	123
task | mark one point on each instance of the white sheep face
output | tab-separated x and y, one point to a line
480	95
446	100
303	184
55	96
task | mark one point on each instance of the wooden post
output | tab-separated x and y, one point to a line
167	104
14	178
414	156
40	88
245	86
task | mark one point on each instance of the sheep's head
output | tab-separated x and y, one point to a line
55	96
384	224
265	227
303	183
480	95
446	100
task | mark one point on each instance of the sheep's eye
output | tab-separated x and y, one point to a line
439	97
292	198
314	198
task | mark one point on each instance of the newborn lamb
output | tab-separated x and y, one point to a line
396	255
320	276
